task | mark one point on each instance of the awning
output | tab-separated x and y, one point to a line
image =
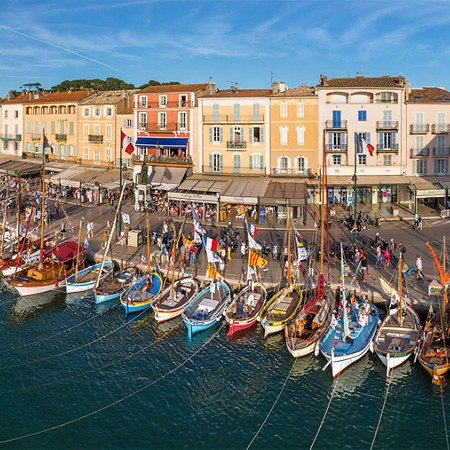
200	190
13	167
242	192
166	175
284	193
64	176
164	142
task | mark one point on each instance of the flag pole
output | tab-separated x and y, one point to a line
355	193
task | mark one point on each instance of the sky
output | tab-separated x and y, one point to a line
248	43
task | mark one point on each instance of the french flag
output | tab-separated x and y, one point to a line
210	244
365	147
252	230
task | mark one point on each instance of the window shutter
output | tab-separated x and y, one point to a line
210	163
211	134
342	140
435	166
221	163
220	134
368	137
446	166
261	134
381	141
394	139
231	135
242	134
330	141
250	162
124	123
424	167
250	136
261	162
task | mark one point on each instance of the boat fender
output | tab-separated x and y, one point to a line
371	346
316	349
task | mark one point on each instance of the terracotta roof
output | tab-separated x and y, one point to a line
242	93
107	97
363	82
429	95
298	91
61	97
22	98
173	88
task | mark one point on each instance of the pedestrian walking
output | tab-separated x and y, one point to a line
401	250
387	258
392	247
364	270
416	220
420	225
419	267
379	256
90	229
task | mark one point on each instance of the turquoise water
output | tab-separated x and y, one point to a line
140	385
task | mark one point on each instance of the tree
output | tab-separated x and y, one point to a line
13	94
96	84
31	87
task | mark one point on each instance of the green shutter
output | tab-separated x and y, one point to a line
261	134
221	163
250	162
211	134
231	134
220	134
250	136
210	163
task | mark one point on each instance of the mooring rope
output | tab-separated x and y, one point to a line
325	414
382	409
26	363
273	406
120	400
445	420
102	367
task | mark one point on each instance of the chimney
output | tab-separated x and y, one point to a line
211	87
283	86
323	80
407	90
275	89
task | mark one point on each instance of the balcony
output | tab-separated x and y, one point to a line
291	172
156	105
163	160
336	148
36	136
236	145
387	125
440	152
95	138
10	137
230	118
419	128
418	152
171	126
440	128
336	125
61	137
391	149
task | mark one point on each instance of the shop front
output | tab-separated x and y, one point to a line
163	146
430	193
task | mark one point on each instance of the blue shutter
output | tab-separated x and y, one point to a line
261	134
261	162
250	136
336	119
342	140
231	135
368	137
211	134
220	134
330	141
210	163
394	140
381	141
124	123
242	134
435	166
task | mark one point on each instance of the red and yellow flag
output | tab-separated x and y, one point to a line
256	260
212	274
186	241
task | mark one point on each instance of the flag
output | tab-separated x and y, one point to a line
213	274
250	273
197	227
253	244
126	143
364	147
256	260
125	217
186	241
210	244
212	256
252	230
47	144
197	238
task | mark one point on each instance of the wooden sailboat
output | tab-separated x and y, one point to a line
141	293
398	335
313	320
172	301
54	265
434	351
283	306
246	305
349	338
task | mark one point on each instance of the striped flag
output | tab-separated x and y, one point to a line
256	260
186	241
197	226
210	244
252	230
213	274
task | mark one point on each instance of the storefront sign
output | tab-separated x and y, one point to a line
430	193
239	200
192	196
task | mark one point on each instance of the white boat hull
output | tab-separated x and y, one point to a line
298	353
33	290
161	316
391	361
271	329
340	363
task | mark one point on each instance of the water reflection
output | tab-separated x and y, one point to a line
30	306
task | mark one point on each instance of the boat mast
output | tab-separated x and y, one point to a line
4	216
344	297
322	213
400	292
149	241
19	185
78	251
41	257
288	268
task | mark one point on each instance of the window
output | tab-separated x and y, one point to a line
336	160
387	141
441	166
300	109
300	164
237	111
300	135
6	113
387	97
108	132
284	135
362	116
237	163
108	112
162	121
256	111
183	102
86	112
62	127
419	146
182	118
237	136
421	167
142	121
108	154
62	151
85	131
387	160
283	110
29	127
96	154
215	162
256	135
162	100
362	160
336	141
72	150
216	134
215	112
419	125
128	123
256	162
97	130
441	121
16	114
71	128
97	112
283	164
16	147
44	127
86	153
440	145
143	101
5	145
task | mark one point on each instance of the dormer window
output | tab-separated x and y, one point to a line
163	100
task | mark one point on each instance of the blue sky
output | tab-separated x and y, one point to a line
48	41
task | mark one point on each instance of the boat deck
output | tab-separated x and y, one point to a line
283	307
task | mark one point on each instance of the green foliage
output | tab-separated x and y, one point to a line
31	87
157	83
110	84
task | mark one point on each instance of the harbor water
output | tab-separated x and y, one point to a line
76	377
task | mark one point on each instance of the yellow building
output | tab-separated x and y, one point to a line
294	130
99	130
234	133
55	115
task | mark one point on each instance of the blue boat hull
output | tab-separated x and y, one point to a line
135	298
73	286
